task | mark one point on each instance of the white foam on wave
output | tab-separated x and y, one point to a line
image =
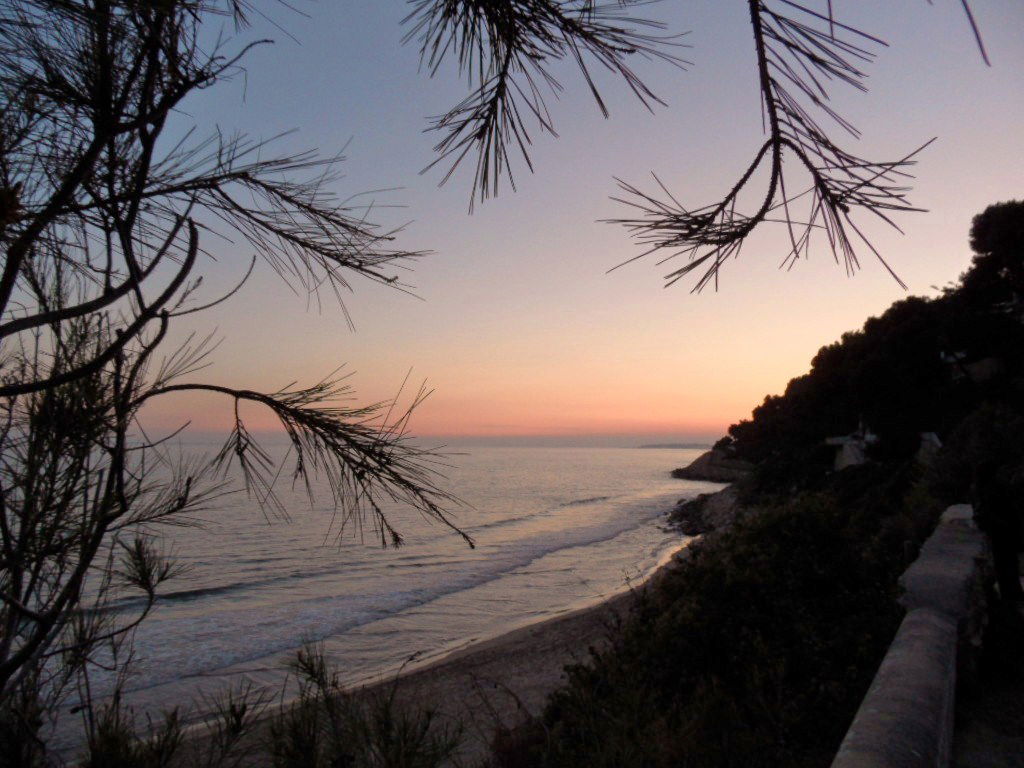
272	620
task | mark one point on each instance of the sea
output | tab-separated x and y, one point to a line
556	528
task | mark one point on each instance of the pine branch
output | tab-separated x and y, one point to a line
508	51
801	54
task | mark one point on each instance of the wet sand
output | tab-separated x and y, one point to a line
498	682
502	681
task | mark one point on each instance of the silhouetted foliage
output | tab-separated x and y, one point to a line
755	652
758	650
102	216
913	369
331	726
988	436
997	269
801	53
507	50
999	231
103	206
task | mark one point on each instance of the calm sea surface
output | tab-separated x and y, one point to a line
556	529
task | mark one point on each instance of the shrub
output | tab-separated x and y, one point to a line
757	651
331	727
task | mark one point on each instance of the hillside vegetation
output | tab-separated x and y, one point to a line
757	650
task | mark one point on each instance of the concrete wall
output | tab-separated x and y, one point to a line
906	718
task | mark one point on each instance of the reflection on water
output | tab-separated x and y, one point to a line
556	529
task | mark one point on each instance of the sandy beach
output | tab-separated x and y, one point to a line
487	684
503	680
506	679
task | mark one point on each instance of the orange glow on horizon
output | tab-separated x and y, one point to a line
516	325
439	416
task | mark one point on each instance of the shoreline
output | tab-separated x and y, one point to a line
504	679
493	681
513	629
544	630
458	668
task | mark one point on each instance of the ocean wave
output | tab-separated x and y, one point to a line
581	502
512	521
505	523
330	614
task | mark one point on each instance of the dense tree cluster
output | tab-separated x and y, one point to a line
921	366
758	649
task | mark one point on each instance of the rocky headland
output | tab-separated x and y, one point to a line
716	466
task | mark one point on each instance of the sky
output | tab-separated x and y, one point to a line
514	321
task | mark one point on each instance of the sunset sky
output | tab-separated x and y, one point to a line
516	324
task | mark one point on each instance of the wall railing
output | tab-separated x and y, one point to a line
906	718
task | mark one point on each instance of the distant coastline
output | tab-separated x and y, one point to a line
686	446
